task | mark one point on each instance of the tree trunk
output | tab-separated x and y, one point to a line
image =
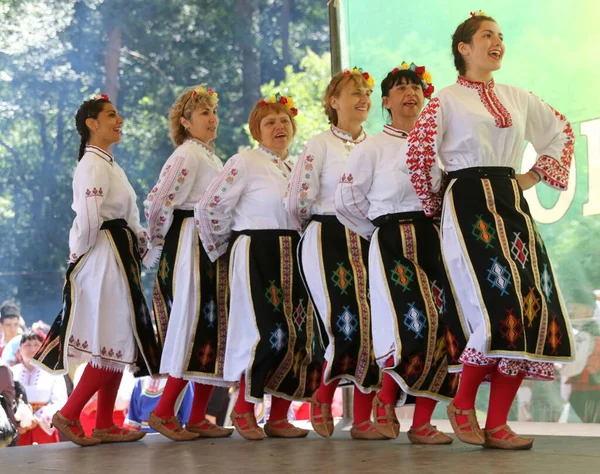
285	34
247	40
113	52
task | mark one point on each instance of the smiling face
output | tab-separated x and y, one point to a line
276	132
10	326
203	123
352	104
106	128
404	100
28	349
485	52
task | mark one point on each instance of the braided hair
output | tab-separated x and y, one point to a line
89	109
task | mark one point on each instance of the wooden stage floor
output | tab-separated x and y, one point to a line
551	454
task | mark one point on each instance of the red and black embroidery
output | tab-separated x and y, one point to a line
421	157
555	172
490	100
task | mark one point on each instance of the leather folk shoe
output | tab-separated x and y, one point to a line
118	435
323	422
283	429
370	433
391	428
206	429
472	436
175	431
250	429
509	440
65	426
431	435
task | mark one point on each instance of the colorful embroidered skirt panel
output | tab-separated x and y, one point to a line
205	327
497	258
287	359
427	325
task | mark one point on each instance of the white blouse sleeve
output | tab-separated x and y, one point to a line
58	398
90	186
304	183
214	213
351	203
422	155
172	189
551	135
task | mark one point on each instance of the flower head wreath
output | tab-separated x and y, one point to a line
478	13
423	74
102	96
201	90
281	99
359	72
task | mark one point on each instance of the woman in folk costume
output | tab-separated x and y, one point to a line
333	258
271	332
417	331
496	259
46	393
105	319
190	291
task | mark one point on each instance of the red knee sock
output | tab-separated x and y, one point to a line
202	395
241	405
389	391
279	409
363	403
326	391
502	394
91	381
470	380
166	405
423	411
389	388
107	395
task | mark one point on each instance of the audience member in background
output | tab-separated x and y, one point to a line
145	397
46	394
9	323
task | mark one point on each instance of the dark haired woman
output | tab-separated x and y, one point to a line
333	258
105	319
415	323
496	259
190	291
46	393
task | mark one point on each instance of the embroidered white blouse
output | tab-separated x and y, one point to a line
101	192
317	173
247	194
375	182
470	124
183	180
42	388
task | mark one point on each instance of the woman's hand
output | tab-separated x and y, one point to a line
527	180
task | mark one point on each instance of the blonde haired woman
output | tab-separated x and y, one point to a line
190	291
333	258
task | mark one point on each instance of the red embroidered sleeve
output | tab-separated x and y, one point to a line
552	135
422	154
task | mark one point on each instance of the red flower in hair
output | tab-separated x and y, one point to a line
347	73
428	91
294	111
263	102
420	70
395	70
283	100
365	75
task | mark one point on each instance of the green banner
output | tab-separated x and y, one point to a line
551	50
